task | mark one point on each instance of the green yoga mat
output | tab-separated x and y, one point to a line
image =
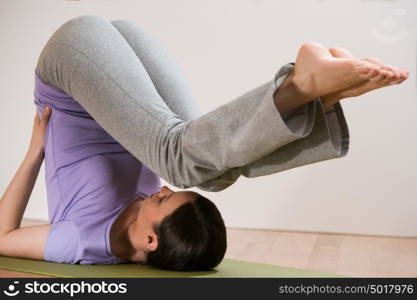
227	268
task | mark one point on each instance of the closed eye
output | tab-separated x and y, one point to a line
162	199
166	197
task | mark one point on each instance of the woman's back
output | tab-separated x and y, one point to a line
90	178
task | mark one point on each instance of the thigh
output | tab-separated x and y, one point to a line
88	59
162	68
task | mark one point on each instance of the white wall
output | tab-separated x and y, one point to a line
228	47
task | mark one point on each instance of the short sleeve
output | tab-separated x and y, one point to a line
62	243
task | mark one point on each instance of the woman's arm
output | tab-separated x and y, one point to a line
25	242
14	200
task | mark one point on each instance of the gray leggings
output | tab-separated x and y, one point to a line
126	80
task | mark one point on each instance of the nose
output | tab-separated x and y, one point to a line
165	190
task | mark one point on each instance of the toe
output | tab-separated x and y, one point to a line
398	76
369	70
374	71
390	75
381	77
404	74
378	63
385	75
390	78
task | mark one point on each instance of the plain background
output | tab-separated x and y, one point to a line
226	48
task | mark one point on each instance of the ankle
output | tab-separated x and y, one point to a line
290	95
304	83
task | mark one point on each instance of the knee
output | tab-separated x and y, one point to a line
129	29
121	25
86	20
79	26
117	23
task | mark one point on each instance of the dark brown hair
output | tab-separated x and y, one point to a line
192	238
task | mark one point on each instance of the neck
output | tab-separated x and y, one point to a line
124	233
135	255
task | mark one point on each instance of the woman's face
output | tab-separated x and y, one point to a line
156	207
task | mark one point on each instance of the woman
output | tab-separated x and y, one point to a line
122	117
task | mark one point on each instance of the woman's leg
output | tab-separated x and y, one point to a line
172	86
162	68
89	59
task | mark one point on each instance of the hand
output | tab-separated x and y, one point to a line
37	143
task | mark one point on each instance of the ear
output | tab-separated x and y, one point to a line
152	242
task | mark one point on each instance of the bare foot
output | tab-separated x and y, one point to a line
317	72
386	75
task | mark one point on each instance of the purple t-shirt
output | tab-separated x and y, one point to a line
90	179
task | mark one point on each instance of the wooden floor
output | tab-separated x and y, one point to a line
351	255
